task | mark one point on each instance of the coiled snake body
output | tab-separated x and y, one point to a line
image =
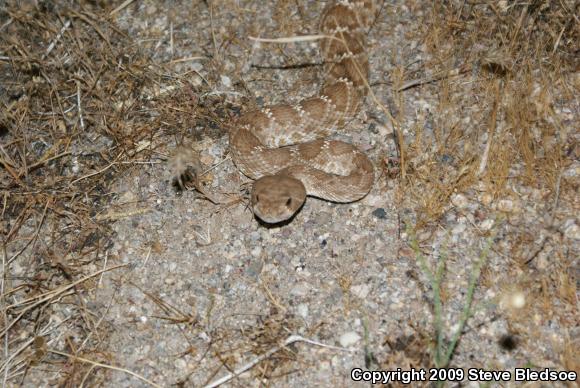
283	147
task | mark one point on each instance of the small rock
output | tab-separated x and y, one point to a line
204	336
151	9
503	6
571	229
542	261
226	81
180	364
380	213
323	218
447	159
196	80
459	228
459	200
196	66
486	225
256	251
303	310
254	269
507	206
424	236
300	289
361	290
573	171
348	339
374	200
355	238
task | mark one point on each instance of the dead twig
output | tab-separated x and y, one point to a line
123	5
34	236
40	299
491	132
79	106
435	78
106	366
56	39
257	360
97	172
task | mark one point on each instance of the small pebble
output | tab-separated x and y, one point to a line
459	228
507	206
486	225
573	171
254	269
348	339
303	310
380	213
180	364
423	236
226	81
256	251
374	200
361	290
299	289
323	218
459	200
571	229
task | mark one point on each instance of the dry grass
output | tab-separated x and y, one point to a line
496	129
522	59
81	106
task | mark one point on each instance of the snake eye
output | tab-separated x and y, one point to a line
289	202
257	198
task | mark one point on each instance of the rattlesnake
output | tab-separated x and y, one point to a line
283	147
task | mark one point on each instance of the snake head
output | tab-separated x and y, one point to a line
276	198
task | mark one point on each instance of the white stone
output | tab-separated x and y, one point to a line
507	206
226	81
256	251
180	364
459	200
571	229
486	225
458	229
348	339
361	290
